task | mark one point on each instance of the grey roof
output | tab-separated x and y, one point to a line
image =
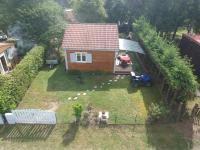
130	45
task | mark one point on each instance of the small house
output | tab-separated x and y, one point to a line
190	47
91	47
7	51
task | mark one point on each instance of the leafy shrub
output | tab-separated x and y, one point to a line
157	111
77	111
165	55
17	83
85	121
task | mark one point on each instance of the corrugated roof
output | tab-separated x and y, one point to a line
4	46
91	37
130	45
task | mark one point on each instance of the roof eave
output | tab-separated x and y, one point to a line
94	49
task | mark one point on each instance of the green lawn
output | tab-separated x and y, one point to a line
68	137
51	89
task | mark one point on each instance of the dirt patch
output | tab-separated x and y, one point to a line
188	129
52	106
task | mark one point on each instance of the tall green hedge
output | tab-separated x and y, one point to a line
14	86
164	54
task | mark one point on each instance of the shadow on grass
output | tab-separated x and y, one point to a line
70	135
63	81
23	133
166	135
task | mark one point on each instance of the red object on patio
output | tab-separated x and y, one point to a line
125	58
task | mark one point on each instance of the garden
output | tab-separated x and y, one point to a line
56	90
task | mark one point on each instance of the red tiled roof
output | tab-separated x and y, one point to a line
4	46
91	37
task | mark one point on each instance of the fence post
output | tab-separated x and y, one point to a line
179	111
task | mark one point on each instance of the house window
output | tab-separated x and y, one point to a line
81	57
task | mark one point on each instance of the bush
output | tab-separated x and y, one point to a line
77	111
17	83
85	121
157	111
166	56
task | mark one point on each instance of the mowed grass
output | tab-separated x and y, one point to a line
124	103
51	89
68	137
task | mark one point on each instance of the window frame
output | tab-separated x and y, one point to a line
82	54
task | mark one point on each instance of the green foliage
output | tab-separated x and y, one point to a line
77	110
165	55
89	10
123	10
157	111
43	20
15	85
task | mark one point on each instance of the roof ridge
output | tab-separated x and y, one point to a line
93	23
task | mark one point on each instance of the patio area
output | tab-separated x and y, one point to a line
119	69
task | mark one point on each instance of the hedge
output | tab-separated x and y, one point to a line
14	86
165	55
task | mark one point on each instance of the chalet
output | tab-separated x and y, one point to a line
91	47
190	46
6	55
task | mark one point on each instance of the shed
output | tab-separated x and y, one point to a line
190	46
90	46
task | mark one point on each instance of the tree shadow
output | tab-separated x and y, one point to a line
165	134
26	132
166	137
70	135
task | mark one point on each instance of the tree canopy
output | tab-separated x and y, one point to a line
37	18
89	11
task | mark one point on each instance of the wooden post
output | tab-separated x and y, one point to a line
179	111
173	98
167	95
163	85
158	75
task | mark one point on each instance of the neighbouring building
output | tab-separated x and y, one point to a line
91	47
7	53
190	46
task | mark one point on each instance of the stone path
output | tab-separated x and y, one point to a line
115	79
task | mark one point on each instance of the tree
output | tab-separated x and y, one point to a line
116	11
167	16
78	109
38	18
89	10
193	14
123	10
